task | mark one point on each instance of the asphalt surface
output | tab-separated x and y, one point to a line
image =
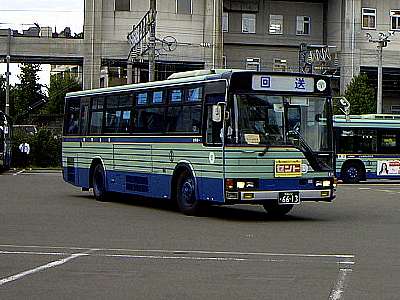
57	242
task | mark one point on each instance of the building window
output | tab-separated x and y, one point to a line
253	63
184	7
275	24
395	19
368	18
280	65
303	25
225	22
122	5
248	23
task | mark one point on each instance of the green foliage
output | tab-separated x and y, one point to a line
28	92
59	86
45	149
361	96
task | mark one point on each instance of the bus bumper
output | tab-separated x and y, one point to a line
326	195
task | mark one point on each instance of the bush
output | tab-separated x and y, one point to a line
45	149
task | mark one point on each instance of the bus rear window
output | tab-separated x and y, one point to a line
71	123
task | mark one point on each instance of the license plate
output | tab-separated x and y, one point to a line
288	198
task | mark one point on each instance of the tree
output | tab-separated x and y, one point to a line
28	93
361	96
59	86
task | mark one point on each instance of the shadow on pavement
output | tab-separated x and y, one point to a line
250	213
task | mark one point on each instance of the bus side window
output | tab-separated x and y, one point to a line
96	115
84	122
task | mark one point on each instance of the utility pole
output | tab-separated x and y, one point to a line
218	50
8	58
152	42
381	42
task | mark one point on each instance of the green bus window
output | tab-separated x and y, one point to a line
194	94
176	96
71	123
158	97
96	122
141	98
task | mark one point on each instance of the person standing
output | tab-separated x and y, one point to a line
25	150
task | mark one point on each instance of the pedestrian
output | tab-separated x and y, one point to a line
25	149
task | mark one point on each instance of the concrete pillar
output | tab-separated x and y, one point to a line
350	50
93	43
208	33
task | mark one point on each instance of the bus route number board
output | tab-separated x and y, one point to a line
285	198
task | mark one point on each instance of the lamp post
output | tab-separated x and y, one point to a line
381	42
152	38
8	59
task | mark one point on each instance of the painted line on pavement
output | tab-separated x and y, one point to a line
305	255
42	268
338	290
19	172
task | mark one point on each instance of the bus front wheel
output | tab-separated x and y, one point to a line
99	183
186	195
352	173
276	210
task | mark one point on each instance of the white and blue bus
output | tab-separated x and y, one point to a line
367	147
205	137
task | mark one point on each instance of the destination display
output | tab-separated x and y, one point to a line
283	83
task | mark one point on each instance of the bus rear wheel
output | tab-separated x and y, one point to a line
186	195
352	173
276	210
99	183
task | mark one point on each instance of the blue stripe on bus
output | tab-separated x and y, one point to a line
135	139
158	186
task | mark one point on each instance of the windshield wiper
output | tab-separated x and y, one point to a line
312	157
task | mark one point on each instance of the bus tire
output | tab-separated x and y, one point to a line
276	210
352	173
99	183
186	195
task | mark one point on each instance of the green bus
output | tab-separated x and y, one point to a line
205	137
367	147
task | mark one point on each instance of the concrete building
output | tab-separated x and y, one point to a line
325	36
107	24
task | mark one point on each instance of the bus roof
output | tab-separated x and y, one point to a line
180	78
368	120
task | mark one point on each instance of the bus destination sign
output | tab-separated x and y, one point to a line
283	83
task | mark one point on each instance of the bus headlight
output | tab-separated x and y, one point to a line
323	183
246	184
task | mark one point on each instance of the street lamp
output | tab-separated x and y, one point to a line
381	42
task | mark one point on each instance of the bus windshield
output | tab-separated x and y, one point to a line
282	120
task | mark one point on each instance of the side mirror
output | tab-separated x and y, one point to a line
216	113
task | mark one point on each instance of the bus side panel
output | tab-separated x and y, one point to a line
132	168
211	181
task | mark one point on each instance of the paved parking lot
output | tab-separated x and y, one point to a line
58	242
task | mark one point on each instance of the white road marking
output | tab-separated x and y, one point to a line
338	289
19	172
336	293
41	268
338	256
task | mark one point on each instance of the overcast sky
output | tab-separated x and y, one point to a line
21	14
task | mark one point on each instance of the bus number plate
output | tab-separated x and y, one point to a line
288	198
